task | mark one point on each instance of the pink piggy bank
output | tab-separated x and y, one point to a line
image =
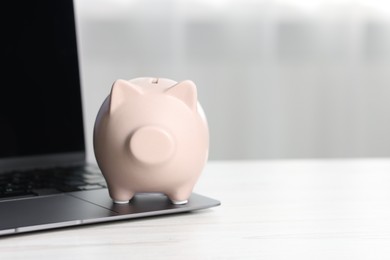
151	135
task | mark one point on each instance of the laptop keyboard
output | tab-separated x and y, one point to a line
39	182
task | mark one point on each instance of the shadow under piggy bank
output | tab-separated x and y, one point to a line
143	204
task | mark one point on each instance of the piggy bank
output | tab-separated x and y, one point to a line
151	135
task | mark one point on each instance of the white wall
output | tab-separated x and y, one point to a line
277	79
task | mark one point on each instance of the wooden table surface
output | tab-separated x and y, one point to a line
276	209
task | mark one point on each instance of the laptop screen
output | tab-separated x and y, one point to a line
40	108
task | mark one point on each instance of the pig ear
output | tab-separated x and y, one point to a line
120	91
186	92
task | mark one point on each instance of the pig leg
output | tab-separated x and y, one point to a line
120	196
180	197
121	201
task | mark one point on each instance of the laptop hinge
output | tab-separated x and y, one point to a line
43	161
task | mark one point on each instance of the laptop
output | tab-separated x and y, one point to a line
45	180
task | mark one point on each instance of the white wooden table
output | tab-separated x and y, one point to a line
278	209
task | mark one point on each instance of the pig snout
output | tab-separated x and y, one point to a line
152	145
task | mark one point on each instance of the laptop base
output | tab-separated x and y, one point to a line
87	207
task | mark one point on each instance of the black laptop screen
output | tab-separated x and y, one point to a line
40	107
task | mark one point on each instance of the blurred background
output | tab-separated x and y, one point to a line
277	79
